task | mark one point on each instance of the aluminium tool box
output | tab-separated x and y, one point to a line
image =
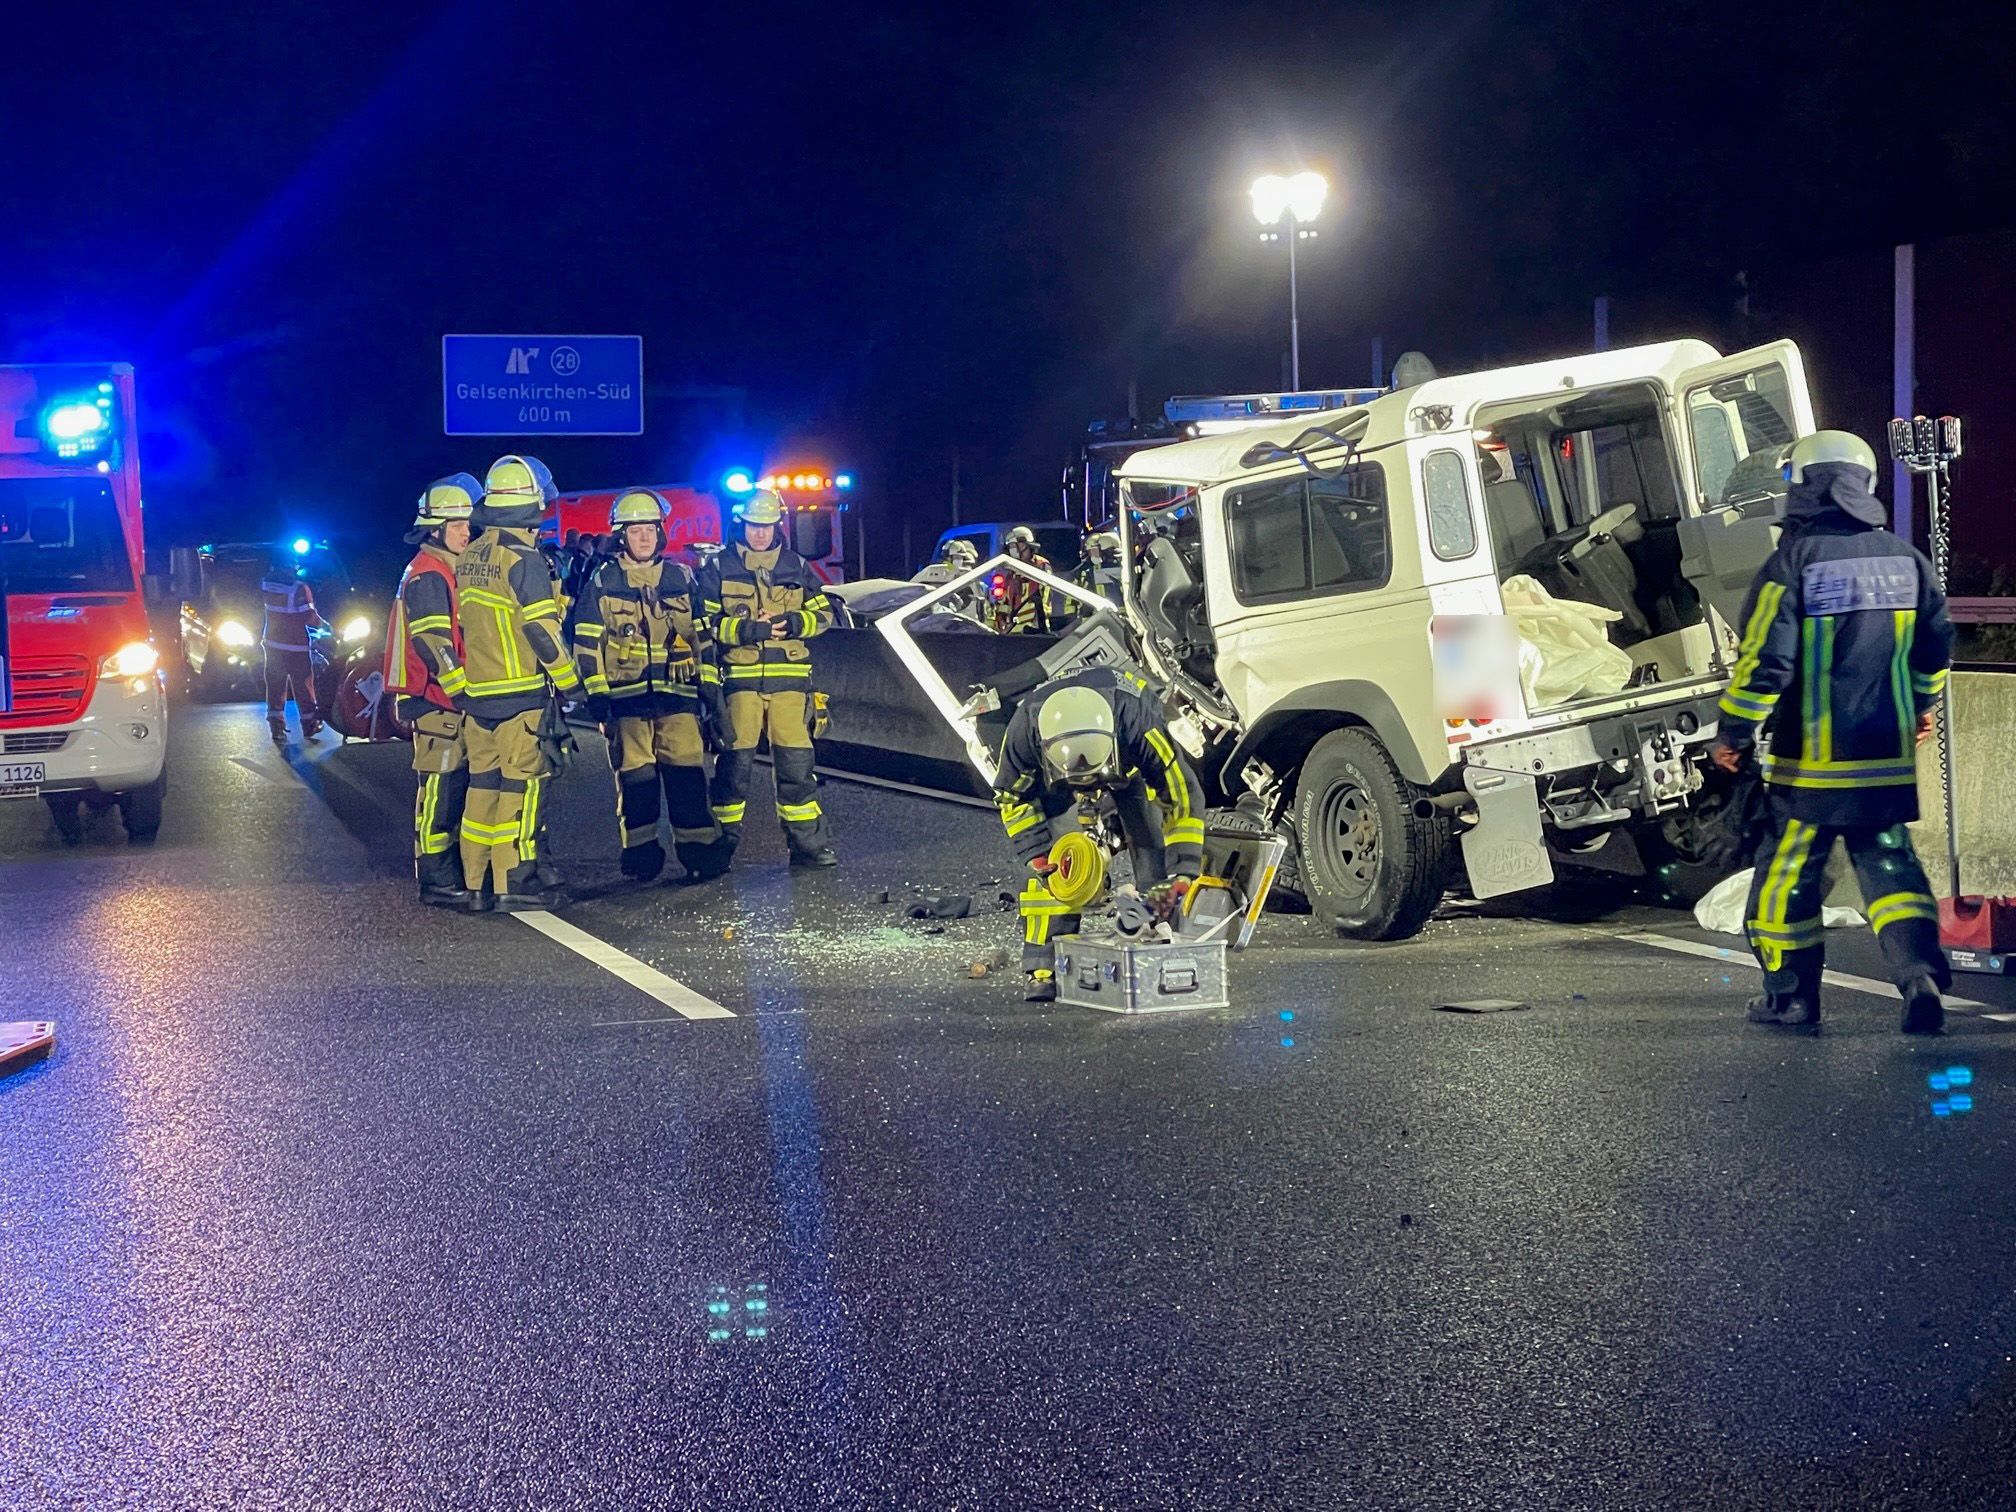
1121	976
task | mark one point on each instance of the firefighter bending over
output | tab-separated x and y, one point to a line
1845	649
643	660
1073	741
423	665
763	606
508	612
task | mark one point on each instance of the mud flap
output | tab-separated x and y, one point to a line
1503	851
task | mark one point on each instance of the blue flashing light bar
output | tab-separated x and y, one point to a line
301	545
737	480
1184	408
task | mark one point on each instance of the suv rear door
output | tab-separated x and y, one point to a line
1738	414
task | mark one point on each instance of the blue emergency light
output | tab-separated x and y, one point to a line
76	428
301	545
843	480
737	480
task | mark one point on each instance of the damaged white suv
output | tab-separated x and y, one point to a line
1312	595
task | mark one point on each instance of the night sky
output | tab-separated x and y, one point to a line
914	232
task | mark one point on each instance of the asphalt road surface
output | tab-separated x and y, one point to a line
328	1200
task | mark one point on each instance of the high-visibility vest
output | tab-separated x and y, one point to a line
405	671
290	610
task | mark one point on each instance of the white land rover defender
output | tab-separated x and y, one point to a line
1293	585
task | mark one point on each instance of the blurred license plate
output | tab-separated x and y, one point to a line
20	779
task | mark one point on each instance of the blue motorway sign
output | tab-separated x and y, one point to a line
542	385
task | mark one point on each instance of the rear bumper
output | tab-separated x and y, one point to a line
119	744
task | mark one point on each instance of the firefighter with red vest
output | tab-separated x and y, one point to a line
290	616
423	665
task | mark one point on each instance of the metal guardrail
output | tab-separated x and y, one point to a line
1982	611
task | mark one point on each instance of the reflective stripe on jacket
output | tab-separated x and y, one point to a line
423	646
637	639
1846	641
507	609
741	587
290	614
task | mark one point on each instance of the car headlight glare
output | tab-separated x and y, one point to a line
356	628
135	659
234	634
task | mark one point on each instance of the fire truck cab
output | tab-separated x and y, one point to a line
83	698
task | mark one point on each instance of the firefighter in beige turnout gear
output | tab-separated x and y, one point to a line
423	666
762	604
644	660
514	657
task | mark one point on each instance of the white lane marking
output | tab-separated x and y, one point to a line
901	787
1734	957
677	996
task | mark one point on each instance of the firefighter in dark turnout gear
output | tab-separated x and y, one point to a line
1845	649
423	666
762	606
514	659
643	661
1074	739
290	616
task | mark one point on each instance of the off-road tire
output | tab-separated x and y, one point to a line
1367	861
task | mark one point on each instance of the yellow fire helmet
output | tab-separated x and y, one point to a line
450	498
761	508
514	482
638	506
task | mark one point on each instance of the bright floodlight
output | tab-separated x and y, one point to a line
73	422
1299	198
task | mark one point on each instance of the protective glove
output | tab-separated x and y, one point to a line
751	632
1165	899
683	669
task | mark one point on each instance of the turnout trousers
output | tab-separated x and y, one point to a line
651	752
1043	917
504	820
283	667
441	769
784	717
1784	912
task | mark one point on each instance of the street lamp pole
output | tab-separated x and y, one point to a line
1294	202
1294	317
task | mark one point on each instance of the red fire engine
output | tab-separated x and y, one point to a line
83	699
815	511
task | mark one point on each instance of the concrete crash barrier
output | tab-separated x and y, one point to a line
1982	706
882	724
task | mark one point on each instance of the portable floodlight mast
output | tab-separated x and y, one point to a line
1924	445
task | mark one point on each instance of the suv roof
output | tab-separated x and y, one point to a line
1209	459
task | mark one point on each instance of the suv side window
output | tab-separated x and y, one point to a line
1303	538
1452	528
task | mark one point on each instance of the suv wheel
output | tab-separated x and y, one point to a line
1367	861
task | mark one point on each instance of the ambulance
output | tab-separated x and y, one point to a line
83	696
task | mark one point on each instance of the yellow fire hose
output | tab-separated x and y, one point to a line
1078	872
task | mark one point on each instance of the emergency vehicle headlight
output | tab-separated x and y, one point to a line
356	628
135	659
234	634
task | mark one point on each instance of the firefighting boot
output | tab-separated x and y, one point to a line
642	863
1793	1012
276	725
704	863
1042	987
1924	1013
818	859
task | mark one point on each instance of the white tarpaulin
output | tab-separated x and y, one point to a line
1722	909
1564	646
